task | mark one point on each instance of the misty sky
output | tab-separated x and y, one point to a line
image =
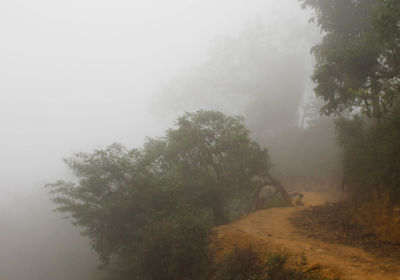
77	75
81	74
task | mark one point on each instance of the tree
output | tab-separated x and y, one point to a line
387	24
214	159
109	197
352	62
149	208
357	68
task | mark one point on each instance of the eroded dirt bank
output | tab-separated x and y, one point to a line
271	230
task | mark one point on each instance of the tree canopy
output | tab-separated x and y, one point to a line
214	157
127	200
357	68
356	62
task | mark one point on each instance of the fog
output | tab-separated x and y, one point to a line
79	75
261	72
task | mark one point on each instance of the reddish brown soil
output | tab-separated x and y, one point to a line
271	230
333	223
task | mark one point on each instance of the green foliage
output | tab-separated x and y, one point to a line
387	24
176	247
241	264
355	62
247	264
148	211
214	159
371	155
386	21
276	269
358	68
171	248
110	196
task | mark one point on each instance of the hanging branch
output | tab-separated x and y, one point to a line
281	190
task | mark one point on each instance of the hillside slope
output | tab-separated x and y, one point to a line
270	230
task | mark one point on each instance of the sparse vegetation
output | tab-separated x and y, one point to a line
247	264
334	223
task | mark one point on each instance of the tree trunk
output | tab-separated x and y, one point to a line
219	211
376	106
281	190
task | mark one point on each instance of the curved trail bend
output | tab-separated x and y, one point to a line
271	230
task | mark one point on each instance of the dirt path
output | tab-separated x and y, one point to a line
271	230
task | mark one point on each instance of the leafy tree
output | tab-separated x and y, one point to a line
214	159
354	59
147	210
174	247
387	25
358	65
109	197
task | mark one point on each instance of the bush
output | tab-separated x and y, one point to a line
247	264
241	264
173	248
176	248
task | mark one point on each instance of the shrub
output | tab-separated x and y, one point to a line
241	264
176	248
247	264
172	248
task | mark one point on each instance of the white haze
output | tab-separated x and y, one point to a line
79	75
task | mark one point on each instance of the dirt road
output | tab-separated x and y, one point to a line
271	230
